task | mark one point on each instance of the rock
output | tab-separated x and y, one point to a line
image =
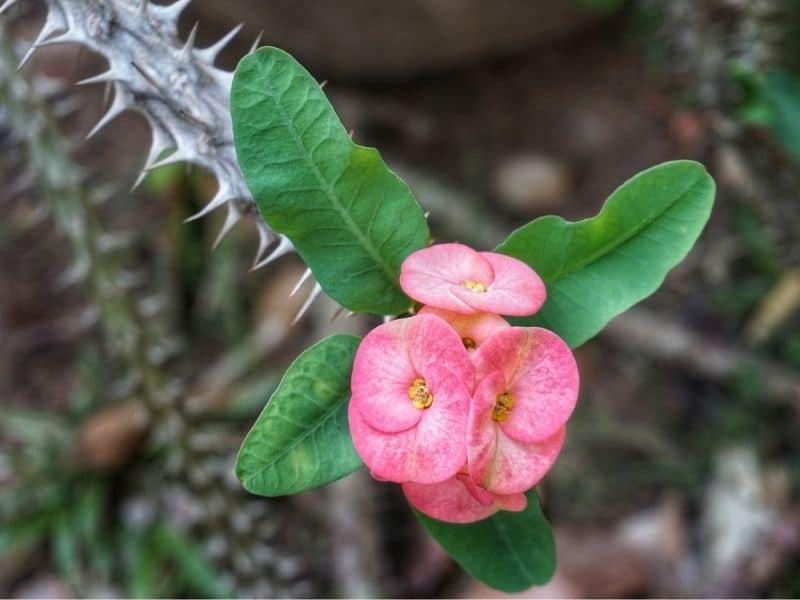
530	184
363	39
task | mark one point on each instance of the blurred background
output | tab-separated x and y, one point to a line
134	356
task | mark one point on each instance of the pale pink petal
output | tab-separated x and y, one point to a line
429	453
481	429
477	327
516	467
540	373
430	275
511	502
382	374
439	357
458	500
516	288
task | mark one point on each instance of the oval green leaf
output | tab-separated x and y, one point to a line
350	218
510	551
597	268
301	440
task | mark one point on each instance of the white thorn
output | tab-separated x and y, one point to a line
265	238
179	155
231	219
256	42
427	214
337	313
323	83
170	12
188	46
53	23
117	107
6	5
104	77
307	304
161	141
350	133
209	54
284	246
220	198
306	274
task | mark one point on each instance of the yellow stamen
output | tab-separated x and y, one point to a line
469	343
474	286
419	394
502	406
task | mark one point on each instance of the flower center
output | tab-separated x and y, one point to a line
469	343
502	406
419	394
474	286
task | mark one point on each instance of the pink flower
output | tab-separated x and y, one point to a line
473	329
460	500
527	388
411	386
455	277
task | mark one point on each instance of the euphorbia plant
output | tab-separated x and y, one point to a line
463	408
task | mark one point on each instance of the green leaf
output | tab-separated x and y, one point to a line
510	551
301	439
350	218
597	268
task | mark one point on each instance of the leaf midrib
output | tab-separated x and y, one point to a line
327	188
503	534
616	243
265	466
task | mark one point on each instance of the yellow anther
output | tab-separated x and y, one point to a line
469	343
502	406
419	394
474	286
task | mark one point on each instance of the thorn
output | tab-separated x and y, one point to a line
209	54
256	42
323	83
186	51
350	133
117	107
220	198
179	155
337	313
231	219
306	274
265	237
105	77
284	246
53	23
161	142
307	304
427	214
170	12
6	5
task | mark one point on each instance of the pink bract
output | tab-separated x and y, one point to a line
460	500
398	440
457	278
473	329
527	389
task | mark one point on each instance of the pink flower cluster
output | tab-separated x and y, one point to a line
461	408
